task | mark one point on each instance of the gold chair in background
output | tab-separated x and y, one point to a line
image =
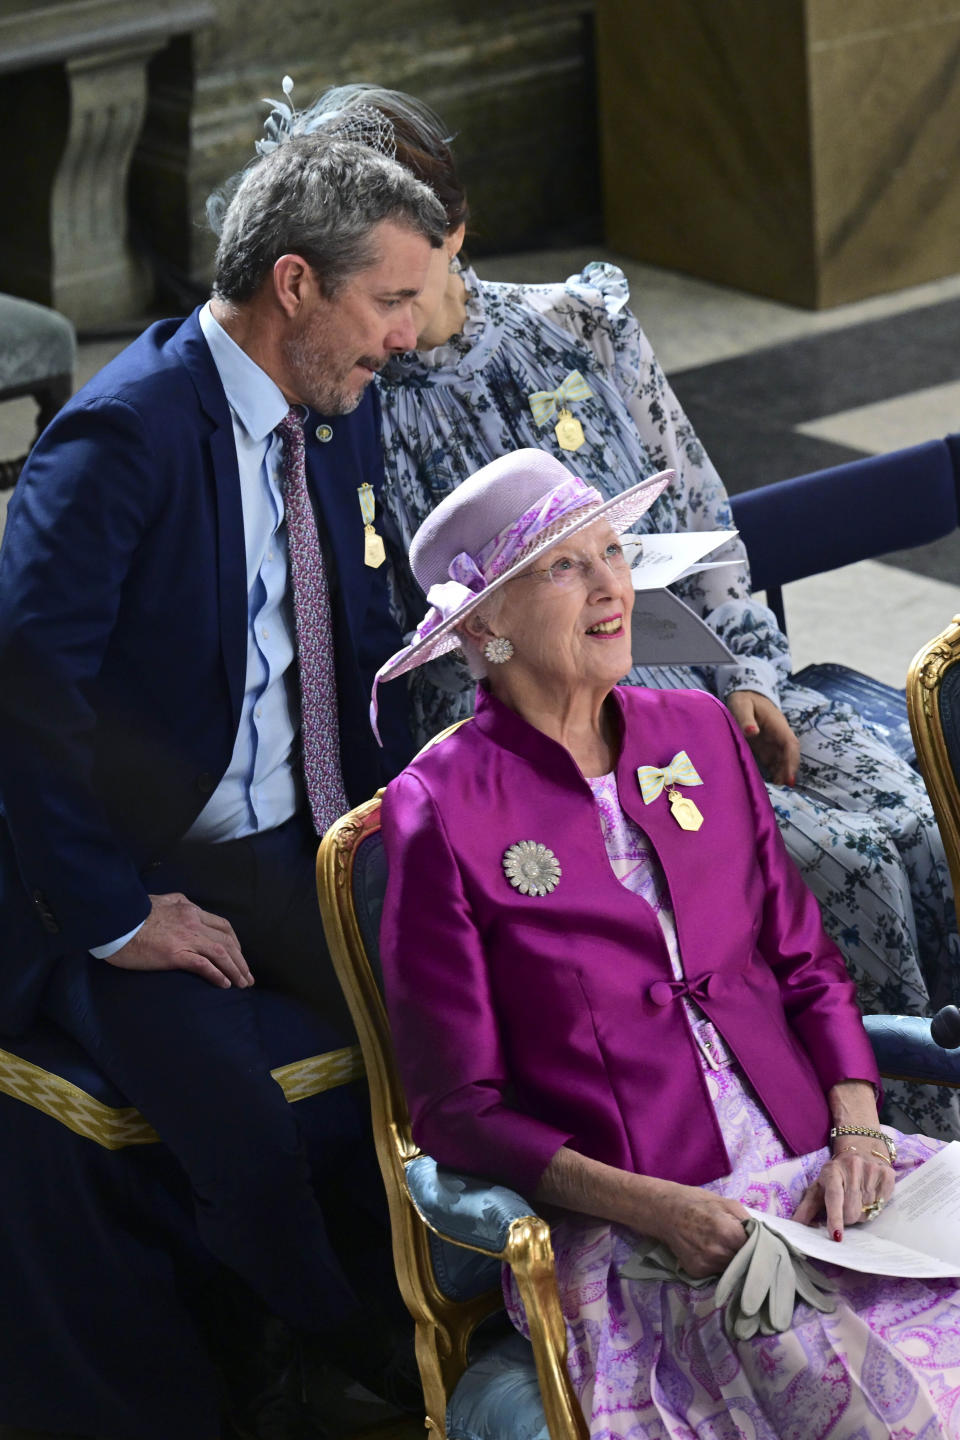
451	1233
933	705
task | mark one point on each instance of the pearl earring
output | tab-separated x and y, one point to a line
498	649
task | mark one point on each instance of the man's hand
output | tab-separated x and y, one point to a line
768	733
178	935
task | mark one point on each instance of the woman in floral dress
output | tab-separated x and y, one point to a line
855	817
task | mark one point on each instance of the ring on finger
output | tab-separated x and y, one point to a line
873	1209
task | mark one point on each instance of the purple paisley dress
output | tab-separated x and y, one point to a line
651	1361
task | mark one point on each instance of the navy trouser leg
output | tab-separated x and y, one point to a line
189	1056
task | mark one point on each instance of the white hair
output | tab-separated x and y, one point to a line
477	662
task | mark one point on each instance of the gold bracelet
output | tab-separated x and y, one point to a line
870	1135
849	1150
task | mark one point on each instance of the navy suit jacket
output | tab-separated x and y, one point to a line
123	642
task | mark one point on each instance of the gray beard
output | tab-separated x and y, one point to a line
319	391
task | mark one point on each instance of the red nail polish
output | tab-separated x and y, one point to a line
752	730
837	1235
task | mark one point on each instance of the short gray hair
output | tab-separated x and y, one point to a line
319	198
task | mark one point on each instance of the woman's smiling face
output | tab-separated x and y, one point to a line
568	614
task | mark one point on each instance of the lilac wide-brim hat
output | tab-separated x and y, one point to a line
489	529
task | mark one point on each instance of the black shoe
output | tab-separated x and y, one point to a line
379	1352
272	1402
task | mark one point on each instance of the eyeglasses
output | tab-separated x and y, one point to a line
569	570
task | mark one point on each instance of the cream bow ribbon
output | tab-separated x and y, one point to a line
680	771
546	403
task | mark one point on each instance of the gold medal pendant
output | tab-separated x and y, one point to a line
569	431
684	811
373	552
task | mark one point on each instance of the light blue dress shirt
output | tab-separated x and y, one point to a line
263	784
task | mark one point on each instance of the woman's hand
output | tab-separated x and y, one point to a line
859	1172
768	733
703	1230
851	1180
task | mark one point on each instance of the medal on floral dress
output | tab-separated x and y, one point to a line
569	431
374	552
547	403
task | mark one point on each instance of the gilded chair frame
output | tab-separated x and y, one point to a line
443	1326
924	681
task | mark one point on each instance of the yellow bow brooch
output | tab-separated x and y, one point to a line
547	403
680	771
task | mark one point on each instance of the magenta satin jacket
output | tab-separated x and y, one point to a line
524	1022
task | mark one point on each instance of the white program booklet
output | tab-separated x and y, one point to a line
664	559
665	631
917	1233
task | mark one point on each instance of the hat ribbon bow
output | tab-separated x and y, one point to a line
444	600
547	403
680	771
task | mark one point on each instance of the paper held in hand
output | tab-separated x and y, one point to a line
664	559
665	631
917	1234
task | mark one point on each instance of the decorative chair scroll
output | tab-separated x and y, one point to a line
933	705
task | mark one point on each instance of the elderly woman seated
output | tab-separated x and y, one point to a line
611	989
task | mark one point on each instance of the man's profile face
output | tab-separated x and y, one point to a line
335	346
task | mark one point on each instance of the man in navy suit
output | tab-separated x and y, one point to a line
156	851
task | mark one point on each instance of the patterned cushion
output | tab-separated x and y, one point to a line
498	1397
37	344
903	1046
950	716
466	1209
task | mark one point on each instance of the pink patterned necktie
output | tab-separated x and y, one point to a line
320	729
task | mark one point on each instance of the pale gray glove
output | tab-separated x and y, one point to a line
759	1287
764	1281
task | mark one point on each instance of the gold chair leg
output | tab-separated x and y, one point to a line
529	1254
428	1339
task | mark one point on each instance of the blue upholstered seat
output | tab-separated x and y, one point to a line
38	345
813	523
38	353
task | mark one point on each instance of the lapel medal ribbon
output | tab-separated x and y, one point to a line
374	553
547	403
680	771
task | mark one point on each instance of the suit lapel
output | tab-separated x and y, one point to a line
336	468
231	556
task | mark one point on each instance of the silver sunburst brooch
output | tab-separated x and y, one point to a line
531	868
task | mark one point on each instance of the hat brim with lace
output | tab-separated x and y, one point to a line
489	529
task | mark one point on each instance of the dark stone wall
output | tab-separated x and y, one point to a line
514	80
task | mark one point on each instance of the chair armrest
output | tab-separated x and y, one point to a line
904	1048
463	1208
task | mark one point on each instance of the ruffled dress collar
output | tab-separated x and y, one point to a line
459	357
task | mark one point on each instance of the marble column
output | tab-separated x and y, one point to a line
805	149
